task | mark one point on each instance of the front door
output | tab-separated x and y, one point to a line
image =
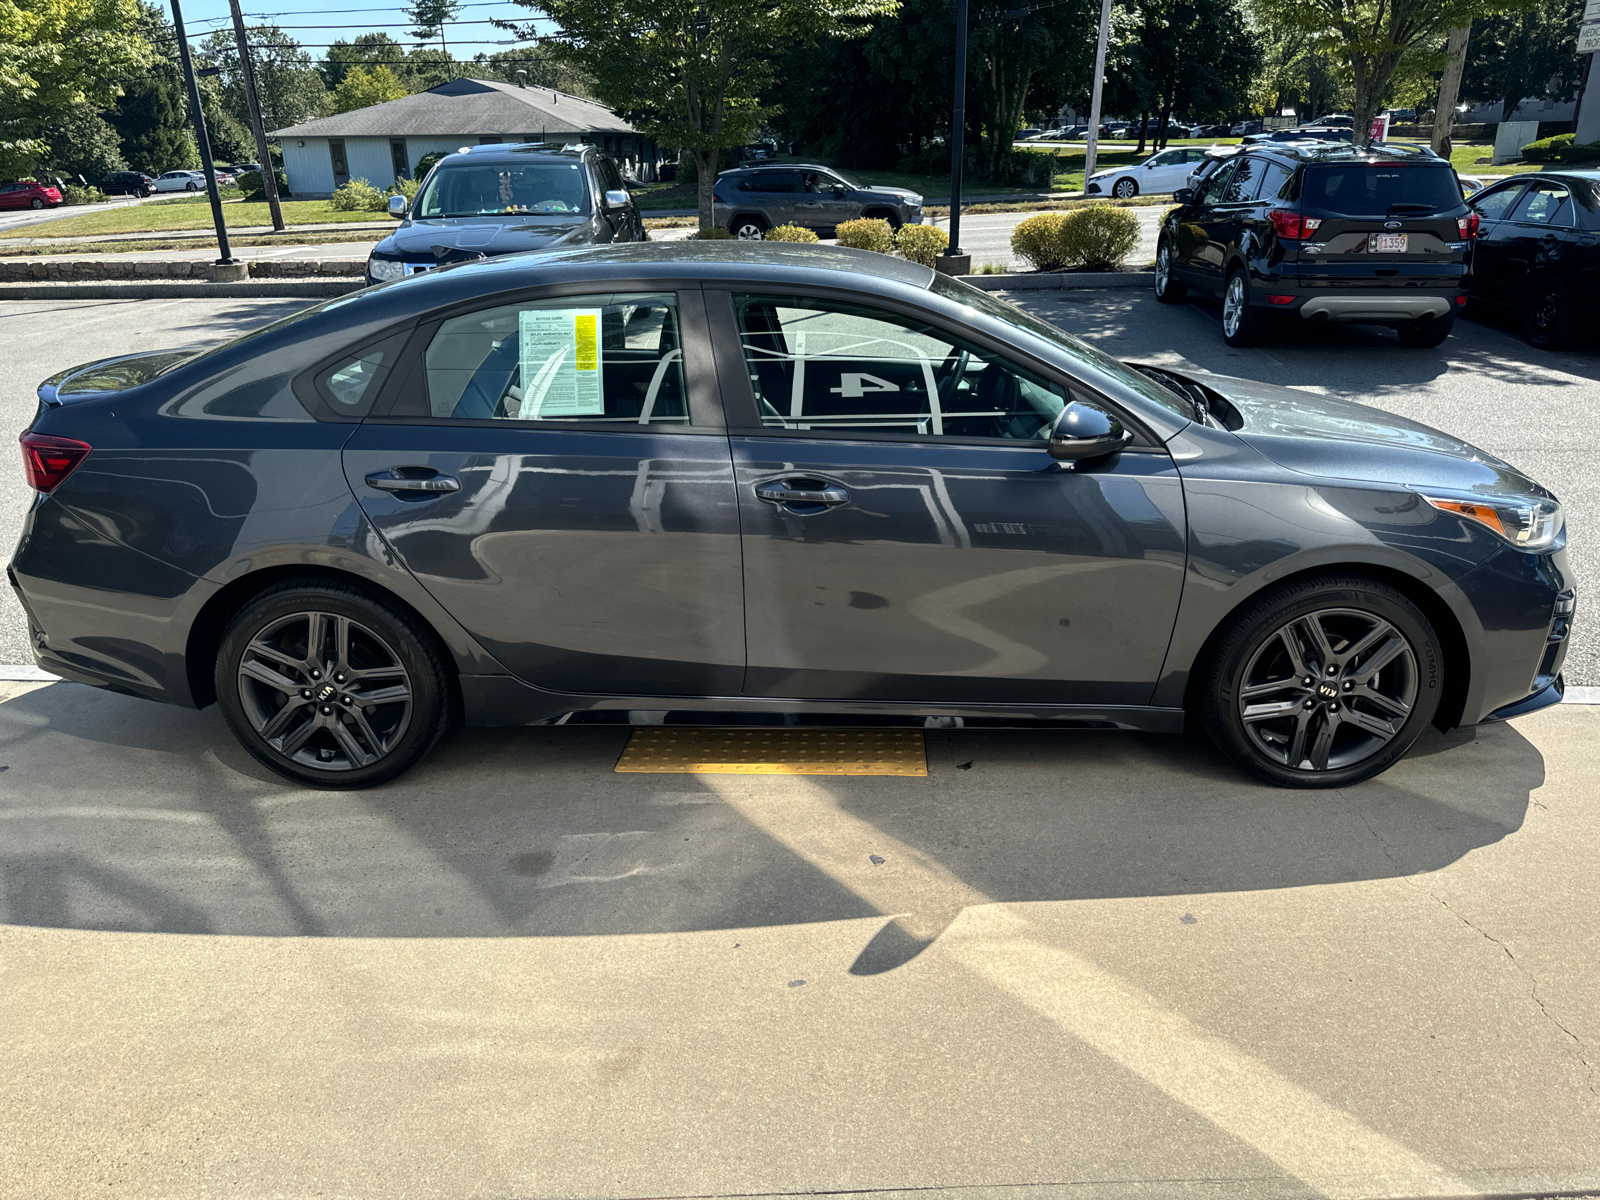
907	536
555	473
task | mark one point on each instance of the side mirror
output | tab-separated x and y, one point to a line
398	206
1183	196
1086	431
616	200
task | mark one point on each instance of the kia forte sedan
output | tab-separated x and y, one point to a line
681	482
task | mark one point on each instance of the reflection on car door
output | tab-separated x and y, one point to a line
554	472
1537	236
1230	212
907	536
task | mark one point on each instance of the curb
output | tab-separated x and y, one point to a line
1061	279
246	289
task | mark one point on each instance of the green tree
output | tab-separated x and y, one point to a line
428	19
1515	55
288	85
690	73
55	55
83	145
426	67
1015	57
362	89
543	67
364	50
1379	43
152	122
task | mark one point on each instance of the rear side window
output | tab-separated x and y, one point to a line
346	388
1545	203
1275	182
1242	187
772	181
1362	188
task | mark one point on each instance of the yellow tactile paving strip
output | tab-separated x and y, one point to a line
775	752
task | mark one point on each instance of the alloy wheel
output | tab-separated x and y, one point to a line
749	231
1234	302
1126	189
325	691
1546	311
1328	690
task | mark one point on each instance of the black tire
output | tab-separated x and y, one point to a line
1547	315
143	192
1125	188
750	227
1168	289
191	187
310	726
1242	323
1343	727
1425	334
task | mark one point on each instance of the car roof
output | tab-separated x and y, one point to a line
1344	152
522	151
776	167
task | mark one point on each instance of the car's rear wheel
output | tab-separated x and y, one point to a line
331	687
1168	289
1242	325
1323	682
1427	333
748	227
1125	189
1547	315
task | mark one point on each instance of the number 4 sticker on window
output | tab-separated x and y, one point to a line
855	384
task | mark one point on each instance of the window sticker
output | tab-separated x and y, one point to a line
562	370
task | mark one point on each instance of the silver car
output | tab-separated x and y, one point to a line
749	201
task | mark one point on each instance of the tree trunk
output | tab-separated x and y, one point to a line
1444	112
705	162
1144	124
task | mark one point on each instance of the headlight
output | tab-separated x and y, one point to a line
384	269
1530	522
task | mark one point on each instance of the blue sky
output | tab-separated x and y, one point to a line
315	27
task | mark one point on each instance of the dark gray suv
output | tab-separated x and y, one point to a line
750	201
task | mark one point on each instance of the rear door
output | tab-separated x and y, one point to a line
907	536
555	472
1490	264
1382	225
1537	236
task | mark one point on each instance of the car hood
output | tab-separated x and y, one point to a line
493	236
1317	435
903	195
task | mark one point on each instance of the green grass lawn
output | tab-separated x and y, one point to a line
189	214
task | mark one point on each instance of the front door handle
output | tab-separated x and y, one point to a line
393	481
782	492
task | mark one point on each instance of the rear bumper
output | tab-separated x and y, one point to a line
1409	307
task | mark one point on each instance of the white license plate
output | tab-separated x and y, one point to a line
1389	243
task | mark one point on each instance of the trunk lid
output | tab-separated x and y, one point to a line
90	380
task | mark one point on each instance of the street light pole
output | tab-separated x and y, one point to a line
958	129
206	164
247	69
1094	102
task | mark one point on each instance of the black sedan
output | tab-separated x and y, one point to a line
1537	254
786	483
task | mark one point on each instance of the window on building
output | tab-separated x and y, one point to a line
397	155
341	168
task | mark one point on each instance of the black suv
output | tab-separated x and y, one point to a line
127	183
1377	235
501	199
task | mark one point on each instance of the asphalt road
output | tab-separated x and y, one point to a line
22	218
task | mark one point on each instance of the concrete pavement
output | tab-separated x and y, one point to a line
1098	966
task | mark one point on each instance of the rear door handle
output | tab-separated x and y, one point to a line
782	493
393	481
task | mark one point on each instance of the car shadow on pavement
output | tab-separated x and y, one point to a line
117	814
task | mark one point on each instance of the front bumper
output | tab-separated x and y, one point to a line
1544	698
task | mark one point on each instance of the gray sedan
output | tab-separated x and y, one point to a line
751	201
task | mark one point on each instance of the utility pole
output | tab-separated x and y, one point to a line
1444	113
206	164
952	261
1093	142
247	70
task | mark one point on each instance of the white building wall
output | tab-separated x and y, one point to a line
308	167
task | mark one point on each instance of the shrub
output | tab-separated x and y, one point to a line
73	194
866	233
356	196
1548	149
921	243
1099	236
403	187
1038	241
250	184
791	233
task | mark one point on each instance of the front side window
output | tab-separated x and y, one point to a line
1246	179
480	189
825	365
1492	206
614	359
1545	203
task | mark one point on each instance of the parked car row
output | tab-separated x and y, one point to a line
137	183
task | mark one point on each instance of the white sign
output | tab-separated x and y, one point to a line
1591	12
562	369
1589	36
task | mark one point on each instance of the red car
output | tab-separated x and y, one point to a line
28	195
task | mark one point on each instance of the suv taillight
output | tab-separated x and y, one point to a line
1290	224
47	460
1468	225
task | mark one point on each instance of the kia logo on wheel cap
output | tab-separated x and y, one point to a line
1328	692
328	692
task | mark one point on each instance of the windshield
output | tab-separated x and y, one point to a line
989	306
483	189
1381	188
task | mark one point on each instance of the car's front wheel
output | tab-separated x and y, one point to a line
1125	189
38	203
1168	289
748	228
1547	315
331	687
1323	682
191	187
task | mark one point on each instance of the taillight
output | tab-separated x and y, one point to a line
47	460
1468	225
1290	224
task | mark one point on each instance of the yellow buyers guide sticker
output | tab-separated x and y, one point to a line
562	371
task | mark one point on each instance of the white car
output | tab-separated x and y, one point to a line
1160	173
180	181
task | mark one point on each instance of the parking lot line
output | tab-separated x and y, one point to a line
775	752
